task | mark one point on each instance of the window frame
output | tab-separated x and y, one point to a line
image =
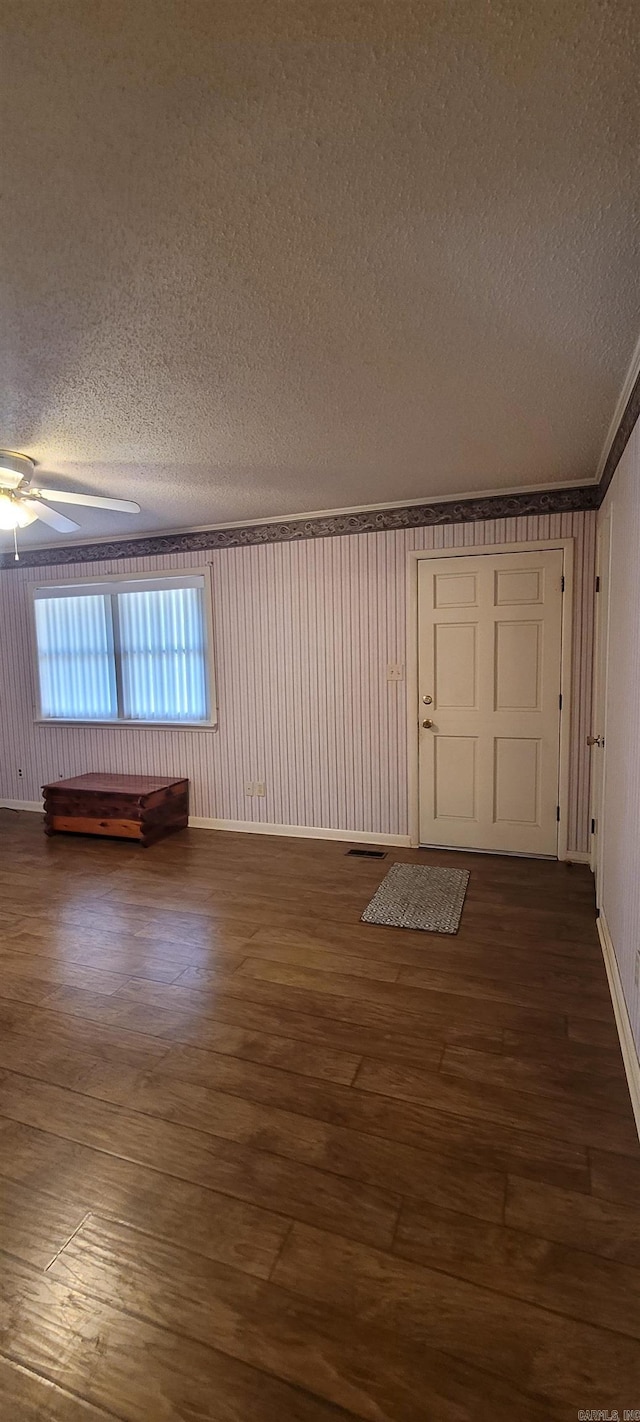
100	582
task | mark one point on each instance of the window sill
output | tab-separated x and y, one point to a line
139	725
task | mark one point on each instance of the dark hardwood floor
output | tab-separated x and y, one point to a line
261	1162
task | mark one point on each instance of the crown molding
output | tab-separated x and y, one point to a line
468	510
624	398
306	514
623	432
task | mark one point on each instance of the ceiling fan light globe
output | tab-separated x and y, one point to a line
13	514
23	515
7	512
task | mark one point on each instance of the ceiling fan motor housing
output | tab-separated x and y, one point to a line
15	469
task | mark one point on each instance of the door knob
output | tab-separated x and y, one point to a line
427	700
595	740
427	725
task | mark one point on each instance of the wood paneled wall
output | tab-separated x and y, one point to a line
303	632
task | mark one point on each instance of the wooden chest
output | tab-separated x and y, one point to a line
140	807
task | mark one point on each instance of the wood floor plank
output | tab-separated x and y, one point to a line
430	1173
47	1028
34	1225
539	992
184	1015
567	1280
119	1023
254	1174
16	966
284	987
583	1221
489	1147
15	1014
133	1368
445	995
471	946
163	894
545	1353
192	935
337	941
262	1325
368	1159
26	1397
554	1077
505	921
468	949
39	1167
584	1125
602	1034
602	1061
91	950
61	1057
27	990
170	935
318	958
616	1177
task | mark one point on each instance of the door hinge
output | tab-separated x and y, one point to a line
562	583
560	701
557	812
593	826
597	585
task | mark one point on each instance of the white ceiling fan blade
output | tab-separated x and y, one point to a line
59	496
50	516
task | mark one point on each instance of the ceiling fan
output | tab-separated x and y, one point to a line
21	504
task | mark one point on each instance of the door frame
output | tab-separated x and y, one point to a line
599	689
414	558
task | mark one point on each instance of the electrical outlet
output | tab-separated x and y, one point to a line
395	671
249	788
19	773
259	788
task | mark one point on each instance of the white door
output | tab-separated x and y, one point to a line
489	663
598	718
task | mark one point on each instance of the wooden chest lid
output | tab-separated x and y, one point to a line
101	784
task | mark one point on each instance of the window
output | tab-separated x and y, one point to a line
130	650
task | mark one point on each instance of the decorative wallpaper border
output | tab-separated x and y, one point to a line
330	526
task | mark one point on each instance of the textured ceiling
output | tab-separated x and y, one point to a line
272	257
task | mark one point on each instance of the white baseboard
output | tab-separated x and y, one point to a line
255	827
299	831
574	856
22	805
627	1044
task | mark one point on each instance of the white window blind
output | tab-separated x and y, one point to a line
76	660
134	650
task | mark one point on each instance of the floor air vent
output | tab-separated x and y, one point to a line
368	853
